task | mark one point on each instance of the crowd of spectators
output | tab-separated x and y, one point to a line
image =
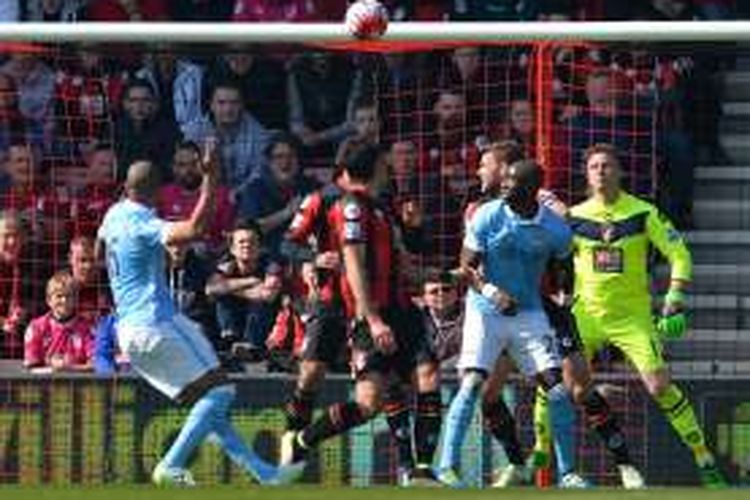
72	119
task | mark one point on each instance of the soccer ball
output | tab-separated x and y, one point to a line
366	19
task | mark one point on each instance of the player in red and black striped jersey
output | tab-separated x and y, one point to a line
386	336
325	326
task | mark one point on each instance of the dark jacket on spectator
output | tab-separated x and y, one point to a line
156	142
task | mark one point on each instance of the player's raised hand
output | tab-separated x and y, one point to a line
210	160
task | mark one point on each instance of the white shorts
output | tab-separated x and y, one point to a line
528	337
169	355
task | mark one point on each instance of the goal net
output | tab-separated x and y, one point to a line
74	116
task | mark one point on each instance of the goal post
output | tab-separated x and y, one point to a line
482	32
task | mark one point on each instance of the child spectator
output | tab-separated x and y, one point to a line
245	290
60	340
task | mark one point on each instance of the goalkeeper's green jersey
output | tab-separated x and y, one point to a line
611	245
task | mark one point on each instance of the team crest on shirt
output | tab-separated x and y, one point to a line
607	232
352	211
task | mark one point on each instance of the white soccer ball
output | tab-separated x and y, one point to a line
366	19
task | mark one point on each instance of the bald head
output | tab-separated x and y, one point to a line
142	180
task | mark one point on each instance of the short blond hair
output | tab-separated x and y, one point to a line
601	148
61	280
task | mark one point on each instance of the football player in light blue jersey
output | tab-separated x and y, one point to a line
165	347
509	244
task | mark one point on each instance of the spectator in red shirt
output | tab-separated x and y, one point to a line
16	285
177	199
91	284
60	340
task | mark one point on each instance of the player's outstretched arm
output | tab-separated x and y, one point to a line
192	228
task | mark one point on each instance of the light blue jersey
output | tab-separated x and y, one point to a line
133	236
515	251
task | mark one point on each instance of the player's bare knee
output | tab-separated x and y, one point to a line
368	395
428	377
311	375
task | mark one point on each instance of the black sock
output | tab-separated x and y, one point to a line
298	410
600	418
427	426
398	416
338	419
501	424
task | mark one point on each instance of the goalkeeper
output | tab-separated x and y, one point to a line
612	233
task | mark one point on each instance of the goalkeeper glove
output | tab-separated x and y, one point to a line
673	321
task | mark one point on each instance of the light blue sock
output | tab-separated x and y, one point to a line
458	420
562	420
240	453
200	422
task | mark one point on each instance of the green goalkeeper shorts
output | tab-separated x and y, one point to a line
634	335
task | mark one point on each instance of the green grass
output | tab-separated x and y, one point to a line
322	493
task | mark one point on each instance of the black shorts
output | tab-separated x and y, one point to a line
566	330
325	334
414	345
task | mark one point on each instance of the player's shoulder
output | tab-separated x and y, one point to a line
633	204
585	208
555	222
489	211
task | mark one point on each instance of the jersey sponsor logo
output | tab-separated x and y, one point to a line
608	260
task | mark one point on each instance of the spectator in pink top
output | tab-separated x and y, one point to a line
177	199
59	340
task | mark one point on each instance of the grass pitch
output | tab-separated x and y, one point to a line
323	493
